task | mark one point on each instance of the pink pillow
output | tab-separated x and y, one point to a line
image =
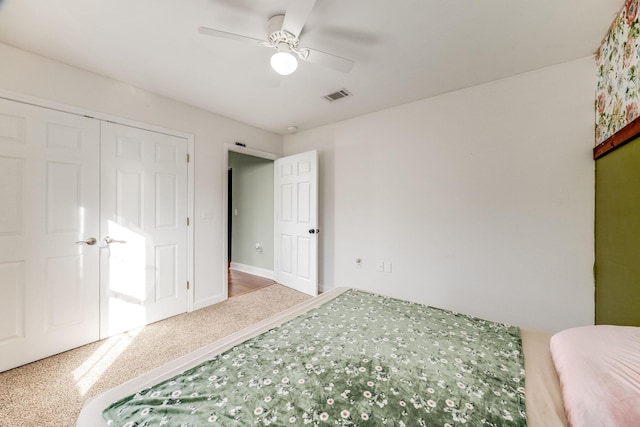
599	371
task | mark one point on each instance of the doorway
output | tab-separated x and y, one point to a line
295	221
250	223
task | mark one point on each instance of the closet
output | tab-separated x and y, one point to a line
93	230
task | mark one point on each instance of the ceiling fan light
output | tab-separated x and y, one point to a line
284	63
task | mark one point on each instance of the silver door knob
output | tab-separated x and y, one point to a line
90	241
108	240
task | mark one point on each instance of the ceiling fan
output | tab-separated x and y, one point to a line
283	36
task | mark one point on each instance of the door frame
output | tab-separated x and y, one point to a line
66	108
225	203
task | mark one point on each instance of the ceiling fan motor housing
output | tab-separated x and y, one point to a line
282	40
277	34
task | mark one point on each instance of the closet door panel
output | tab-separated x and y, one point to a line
49	290
144	202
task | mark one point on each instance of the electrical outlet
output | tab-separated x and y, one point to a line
380	266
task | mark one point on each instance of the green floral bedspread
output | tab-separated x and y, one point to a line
359	359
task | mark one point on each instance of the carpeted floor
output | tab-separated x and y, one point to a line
51	392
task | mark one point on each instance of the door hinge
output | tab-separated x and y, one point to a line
187	285
188	158
188	221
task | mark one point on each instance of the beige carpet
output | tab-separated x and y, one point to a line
51	392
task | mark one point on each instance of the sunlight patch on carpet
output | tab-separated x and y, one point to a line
90	371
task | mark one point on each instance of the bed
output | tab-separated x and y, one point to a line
349	357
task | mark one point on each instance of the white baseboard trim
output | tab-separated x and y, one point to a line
256	271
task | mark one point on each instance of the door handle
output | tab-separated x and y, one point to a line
314	231
108	240
90	241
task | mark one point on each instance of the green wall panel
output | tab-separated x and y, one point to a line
253	198
617	236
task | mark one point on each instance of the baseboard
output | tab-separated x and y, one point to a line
256	271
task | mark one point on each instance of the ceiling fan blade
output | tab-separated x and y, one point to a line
228	36
296	15
328	60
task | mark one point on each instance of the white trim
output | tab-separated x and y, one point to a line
191	189
225	204
250	151
66	108
250	269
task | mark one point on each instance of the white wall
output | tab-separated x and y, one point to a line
33	75
482	199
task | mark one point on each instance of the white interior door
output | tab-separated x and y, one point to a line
49	293
144	196
296	221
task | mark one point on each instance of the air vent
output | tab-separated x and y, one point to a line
342	93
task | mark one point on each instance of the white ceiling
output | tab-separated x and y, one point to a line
404	50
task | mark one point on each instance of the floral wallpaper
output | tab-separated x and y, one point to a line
618	62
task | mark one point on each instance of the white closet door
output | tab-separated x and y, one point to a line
296	212
144	210
49	292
